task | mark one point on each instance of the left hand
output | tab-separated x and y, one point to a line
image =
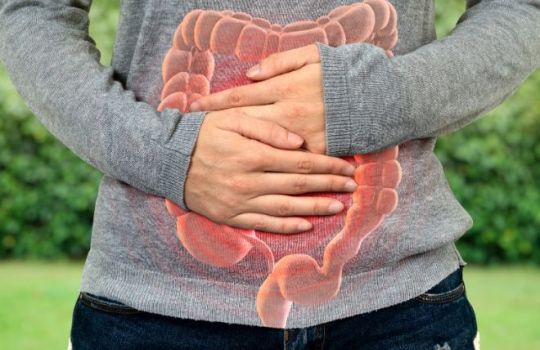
288	91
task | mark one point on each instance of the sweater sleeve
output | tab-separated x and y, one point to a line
372	101
55	67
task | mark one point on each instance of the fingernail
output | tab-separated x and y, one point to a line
253	71
304	226
336	207
195	107
350	185
350	170
295	139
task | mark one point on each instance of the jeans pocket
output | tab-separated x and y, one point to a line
448	290
106	305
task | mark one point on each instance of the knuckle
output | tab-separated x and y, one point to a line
259	225
217	215
292	89
294	110
238	184
300	183
318	206
288	90
232	214
234	221
331	164
249	161
230	200
234	98
334	167
256	160
237	125
331	184
284	208
242	161
267	156
305	165
283	227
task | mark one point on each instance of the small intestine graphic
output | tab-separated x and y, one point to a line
188	70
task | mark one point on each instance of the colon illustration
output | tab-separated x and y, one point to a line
203	43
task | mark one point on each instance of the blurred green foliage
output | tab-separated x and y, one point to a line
48	194
493	167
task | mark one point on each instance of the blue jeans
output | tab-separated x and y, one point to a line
440	319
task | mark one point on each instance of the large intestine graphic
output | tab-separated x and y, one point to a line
188	69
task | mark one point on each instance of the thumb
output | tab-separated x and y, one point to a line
267	132
284	62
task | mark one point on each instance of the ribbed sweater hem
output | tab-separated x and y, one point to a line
216	301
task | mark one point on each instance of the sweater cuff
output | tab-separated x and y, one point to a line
366	104
336	104
179	150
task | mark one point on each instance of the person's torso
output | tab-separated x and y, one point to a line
136	229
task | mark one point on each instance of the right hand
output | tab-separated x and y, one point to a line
244	170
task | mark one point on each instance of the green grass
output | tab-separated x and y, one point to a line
507	305
36	302
37	298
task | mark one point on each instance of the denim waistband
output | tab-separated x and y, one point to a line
453	280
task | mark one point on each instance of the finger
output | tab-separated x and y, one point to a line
280	205
262	222
283	62
287	114
287	161
265	131
280	183
260	93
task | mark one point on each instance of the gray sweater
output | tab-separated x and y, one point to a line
108	117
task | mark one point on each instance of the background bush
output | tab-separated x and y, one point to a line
47	194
